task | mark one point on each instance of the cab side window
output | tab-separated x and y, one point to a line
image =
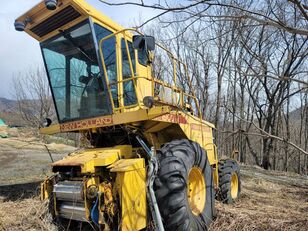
109	54
129	92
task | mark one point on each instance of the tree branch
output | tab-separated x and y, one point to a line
248	14
268	135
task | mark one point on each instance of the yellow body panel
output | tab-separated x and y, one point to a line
131	186
89	159
105	121
39	13
130	180
126	165
46	188
194	129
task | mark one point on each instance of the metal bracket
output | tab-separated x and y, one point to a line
145	147
152	171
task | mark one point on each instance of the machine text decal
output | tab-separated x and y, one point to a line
84	124
172	118
197	127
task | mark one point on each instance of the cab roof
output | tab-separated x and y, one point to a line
42	23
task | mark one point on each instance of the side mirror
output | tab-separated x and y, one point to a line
141	42
47	122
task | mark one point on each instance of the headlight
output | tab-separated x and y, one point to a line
148	101
19	26
51	4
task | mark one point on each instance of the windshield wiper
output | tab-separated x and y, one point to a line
79	48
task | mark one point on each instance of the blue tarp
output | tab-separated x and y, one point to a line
3	132
2	122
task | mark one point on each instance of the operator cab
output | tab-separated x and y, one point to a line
81	67
88	77
75	76
96	68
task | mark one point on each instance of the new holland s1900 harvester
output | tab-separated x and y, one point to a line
152	164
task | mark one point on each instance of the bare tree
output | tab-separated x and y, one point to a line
253	10
31	90
248	65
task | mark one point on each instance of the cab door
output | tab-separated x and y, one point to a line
128	73
108	50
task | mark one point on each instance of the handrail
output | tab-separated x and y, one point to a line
131	68
154	80
175	89
103	60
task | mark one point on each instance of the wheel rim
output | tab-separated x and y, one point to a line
234	185
196	191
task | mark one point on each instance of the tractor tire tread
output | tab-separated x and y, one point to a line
175	159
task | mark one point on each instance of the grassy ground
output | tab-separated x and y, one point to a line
269	200
24	163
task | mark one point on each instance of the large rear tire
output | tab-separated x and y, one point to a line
229	180
184	186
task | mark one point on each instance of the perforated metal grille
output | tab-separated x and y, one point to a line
61	18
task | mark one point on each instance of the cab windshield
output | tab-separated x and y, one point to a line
77	84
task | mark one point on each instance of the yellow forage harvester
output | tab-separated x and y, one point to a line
153	163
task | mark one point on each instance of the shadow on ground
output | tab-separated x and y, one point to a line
15	192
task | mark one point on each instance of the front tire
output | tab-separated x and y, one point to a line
184	186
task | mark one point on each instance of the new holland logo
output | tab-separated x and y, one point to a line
172	118
84	124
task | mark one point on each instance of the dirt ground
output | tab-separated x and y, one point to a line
23	158
269	200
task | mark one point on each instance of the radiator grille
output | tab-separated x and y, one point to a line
61	18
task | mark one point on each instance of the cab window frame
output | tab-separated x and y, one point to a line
62	119
134	65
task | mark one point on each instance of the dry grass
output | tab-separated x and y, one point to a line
21	209
265	205
27	214
269	200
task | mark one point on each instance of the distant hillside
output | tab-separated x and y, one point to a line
8	112
296	114
7	105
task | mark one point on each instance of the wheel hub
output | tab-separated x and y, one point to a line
234	186
196	191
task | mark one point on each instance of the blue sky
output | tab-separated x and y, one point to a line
19	51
